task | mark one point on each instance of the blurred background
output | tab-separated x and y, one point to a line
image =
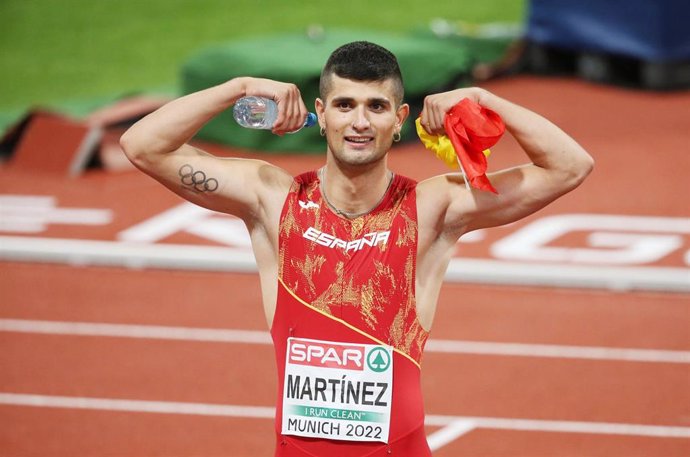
76	56
56	52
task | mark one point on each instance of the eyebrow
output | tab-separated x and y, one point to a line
382	101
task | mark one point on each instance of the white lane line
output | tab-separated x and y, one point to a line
264	412
142	406
568	352
126	254
135	331
261	337
598	428
449	433
218	258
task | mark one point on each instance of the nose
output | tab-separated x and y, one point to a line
361	120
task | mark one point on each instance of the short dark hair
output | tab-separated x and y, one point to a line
362	61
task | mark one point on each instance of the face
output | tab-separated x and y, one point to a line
360	118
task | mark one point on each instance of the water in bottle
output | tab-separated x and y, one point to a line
261	113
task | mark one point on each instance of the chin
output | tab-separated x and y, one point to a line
347	155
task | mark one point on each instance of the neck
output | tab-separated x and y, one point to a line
352	196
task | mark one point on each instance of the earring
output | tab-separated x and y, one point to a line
396	136
322	131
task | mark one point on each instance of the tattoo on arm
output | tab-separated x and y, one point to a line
196	181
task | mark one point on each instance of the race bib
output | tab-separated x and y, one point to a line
338	391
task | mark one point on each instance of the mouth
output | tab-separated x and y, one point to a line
359	139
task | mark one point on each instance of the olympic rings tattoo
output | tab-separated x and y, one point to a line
197	180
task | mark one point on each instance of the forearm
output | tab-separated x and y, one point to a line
174	124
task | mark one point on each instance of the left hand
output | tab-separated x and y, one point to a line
437	105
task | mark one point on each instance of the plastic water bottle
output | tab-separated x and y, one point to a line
261	113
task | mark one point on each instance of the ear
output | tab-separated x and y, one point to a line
320	108
401	115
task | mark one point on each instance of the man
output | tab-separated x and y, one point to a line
351	257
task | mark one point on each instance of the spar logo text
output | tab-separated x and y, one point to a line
318	354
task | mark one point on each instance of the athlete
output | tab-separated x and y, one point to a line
351	256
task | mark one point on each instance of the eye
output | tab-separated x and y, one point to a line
377	106
343	105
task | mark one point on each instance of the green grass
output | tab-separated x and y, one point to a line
59	50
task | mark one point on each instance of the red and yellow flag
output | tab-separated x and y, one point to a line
471	130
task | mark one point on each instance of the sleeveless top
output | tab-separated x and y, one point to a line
344	284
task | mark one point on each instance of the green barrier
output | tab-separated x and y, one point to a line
428	64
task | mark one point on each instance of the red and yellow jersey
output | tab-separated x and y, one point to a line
347	337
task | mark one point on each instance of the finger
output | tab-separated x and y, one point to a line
283	118
426	116
295	110
437	114
439	117
299	113
430	121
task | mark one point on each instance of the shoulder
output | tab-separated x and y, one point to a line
306	179
402	187
403	182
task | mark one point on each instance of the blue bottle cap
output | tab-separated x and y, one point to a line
311	120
